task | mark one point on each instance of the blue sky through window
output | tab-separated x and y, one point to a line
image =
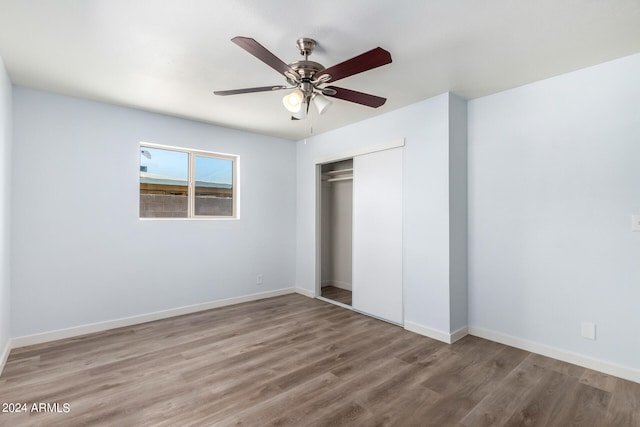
209	169
175	164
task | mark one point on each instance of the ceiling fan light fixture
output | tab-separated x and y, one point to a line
293	101
322	103
301	114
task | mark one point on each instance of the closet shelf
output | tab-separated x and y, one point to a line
340	171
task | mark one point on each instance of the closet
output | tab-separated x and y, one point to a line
337	229
361	235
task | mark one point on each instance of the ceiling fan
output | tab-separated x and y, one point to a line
308	79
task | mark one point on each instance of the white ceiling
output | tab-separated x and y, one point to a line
169	56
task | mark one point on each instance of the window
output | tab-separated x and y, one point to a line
181	183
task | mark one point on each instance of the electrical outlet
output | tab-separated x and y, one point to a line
635	222
259	279
589	330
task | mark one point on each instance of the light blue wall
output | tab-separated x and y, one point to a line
554	177
5	205
80	253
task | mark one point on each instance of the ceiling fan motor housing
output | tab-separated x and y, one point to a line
306	69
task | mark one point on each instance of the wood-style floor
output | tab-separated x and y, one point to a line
296	361
337	294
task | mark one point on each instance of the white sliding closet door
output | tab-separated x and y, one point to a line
377	234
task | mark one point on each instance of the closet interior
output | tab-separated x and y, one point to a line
337	231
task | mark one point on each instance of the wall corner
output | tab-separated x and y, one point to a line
458	213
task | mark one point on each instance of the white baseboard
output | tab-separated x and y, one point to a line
446	337
459	334
609	368
5	355
305	292
134	320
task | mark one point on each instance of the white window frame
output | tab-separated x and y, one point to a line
191	182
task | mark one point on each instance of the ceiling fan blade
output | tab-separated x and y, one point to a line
248	90
260	52
357	97
364	62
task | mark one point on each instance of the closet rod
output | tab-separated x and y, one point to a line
342	178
